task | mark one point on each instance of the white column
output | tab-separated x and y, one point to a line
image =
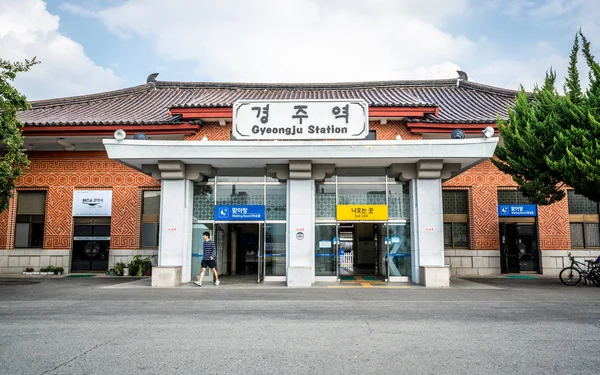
301	232
427	233
175	244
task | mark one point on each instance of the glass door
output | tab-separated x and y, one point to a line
326	250
261	253
399	251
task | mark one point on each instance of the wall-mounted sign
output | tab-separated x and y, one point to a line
354	212
517	210
239	213
300	119
300	236
92	202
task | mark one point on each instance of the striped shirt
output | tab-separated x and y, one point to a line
209	250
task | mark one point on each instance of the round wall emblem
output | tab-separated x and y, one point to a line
300	236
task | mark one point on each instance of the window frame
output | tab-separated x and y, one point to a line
456	218
39	219
156	223
581	219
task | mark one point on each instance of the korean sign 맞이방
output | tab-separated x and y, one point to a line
305	119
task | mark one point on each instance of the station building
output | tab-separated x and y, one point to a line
295	182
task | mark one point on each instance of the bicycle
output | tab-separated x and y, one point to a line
590	272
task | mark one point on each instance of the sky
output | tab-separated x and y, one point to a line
100	45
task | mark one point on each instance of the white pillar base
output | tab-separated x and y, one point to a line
435	276
300	276
166	276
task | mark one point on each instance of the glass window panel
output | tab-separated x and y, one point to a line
373	179
275	249
461	234
361	194
455	202
448	234
400	250
592	235
240	179
22	235
37	235
149	234
576	234
197	245
398	200
241	194
325	201
204	201
276	202
31	203
580	205
325	256
151	203
512	197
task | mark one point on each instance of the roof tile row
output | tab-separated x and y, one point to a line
458	101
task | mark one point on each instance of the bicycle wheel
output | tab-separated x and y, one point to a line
570	276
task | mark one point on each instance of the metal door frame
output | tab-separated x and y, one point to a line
261	252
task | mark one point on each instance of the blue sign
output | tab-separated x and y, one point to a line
517	210
239	213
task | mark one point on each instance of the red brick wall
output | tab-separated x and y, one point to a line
59	173
484	180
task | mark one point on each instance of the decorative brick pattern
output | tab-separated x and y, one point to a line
62	172
125	221
485	218
485	180
58	229
213	131
7	225
390	130
554	226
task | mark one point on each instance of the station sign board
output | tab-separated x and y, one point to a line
517	210
300	119
239	213
362	212
92	202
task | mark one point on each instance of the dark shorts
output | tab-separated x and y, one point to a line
208	264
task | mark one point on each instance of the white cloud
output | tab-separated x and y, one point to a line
27	29
299	40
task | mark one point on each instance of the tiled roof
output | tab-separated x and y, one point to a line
465	102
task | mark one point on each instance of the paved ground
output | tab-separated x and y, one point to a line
104	325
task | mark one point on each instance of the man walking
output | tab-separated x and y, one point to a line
208	259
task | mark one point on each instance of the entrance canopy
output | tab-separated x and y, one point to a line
455	155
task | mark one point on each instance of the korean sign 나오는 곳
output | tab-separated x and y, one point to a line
360	212
300	119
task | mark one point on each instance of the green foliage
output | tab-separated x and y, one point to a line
138	265
12	157
119	267
551	140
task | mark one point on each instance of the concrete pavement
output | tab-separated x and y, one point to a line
478	325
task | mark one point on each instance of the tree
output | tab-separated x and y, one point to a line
12	157
551	140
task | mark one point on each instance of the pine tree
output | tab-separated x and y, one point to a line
12	157
552	140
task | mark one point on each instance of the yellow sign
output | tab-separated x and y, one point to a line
356	212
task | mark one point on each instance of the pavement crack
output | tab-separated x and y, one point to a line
79	356
369	326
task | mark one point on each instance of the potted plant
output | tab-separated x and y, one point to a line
49	270
59	270
119	268
28	271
